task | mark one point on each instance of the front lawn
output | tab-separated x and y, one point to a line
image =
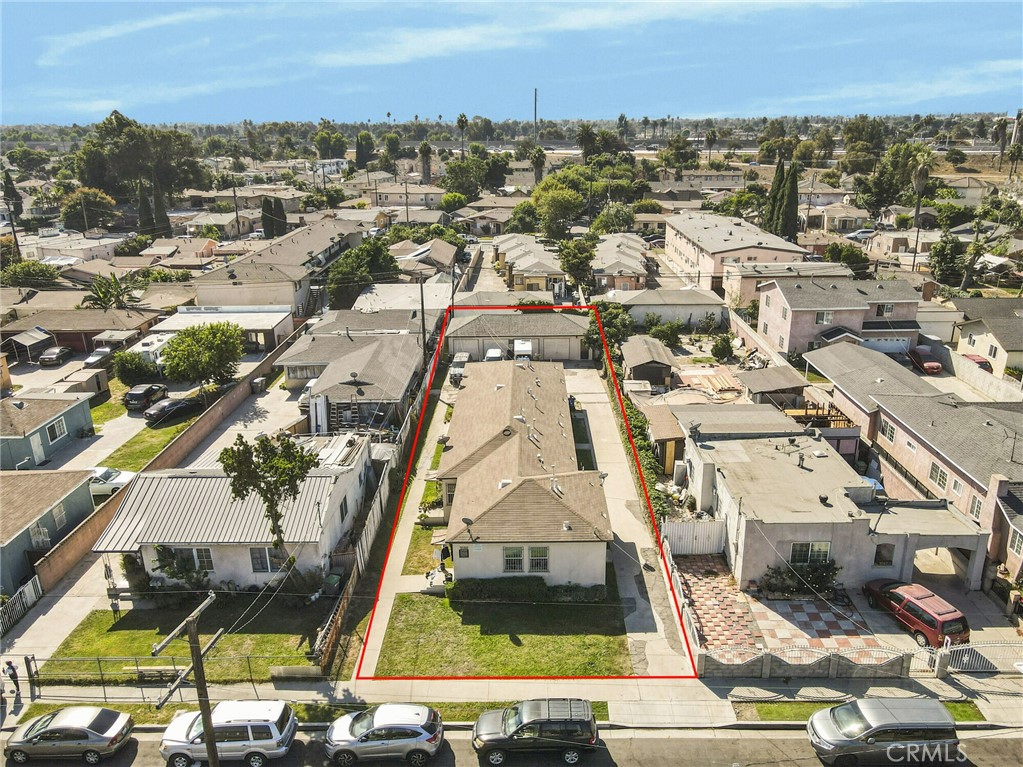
113	407
276	636
800	711
134	454
420	553
435	461
430	636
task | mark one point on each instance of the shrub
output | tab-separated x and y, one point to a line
29	274
431	496
722	348
299	586
131	368
818	577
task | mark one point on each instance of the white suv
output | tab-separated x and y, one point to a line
251	731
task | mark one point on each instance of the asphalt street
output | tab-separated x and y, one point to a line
700	748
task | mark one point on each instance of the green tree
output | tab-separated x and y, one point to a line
615	217
867	130
586	138
668	333
12	197
787	221
848	254
919	177
980	130
773	204
524	219
210	232
462	122
364	147
824	144
576	258
87	208
710	138
204	354
131	368
617	323
147	224
556	207
133	246
160	218
28	160
9	254
956	157
111	293
266	215
273	468
805	153
722	348
1000	135
425	159
946	259
453	201
538	159
495	168
465	177
356	268
29	274
1015	154
646	206
280	218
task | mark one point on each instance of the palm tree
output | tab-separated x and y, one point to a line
645	122
1015	155
587	140
921	171
111	293
539	159
462	122
425	154
1000	133
710	138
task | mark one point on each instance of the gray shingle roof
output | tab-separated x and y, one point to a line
85	320
977	308
515	324
21	415
844	293
778	378
1012	505
1008	331
975	436
720	234
29	494
863	374
641	350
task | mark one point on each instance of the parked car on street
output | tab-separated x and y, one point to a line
469	238
924	361
142	396
55	355
927	616
250	731
565	725
860	235
170	408
89	733
388	731
885	731
982	362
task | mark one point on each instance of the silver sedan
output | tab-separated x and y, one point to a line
81	732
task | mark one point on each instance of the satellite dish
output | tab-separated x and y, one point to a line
354	375
467	521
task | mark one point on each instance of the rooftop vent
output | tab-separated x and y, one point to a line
566	526
19	404
502	484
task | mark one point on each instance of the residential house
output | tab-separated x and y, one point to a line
492	202
883	244
620	262
514	499
192	253
1005	502
525	264
941	321
650	223
690	305
842	218
709	179
421	261
251	197
491	222
928	215
499	298
799	315
75	328
40	509
551	335
404	296
788	498
698	245
34	427
230	225
819	194
244	282
59	246
971	190
742	282
84	272
674	191
992	328
647	359
421	195
363	183
191	517
264	327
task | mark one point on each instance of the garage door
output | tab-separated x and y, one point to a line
888	345
470	345
556	348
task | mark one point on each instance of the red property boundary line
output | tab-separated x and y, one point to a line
404	490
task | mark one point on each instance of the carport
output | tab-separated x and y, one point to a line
920	525
29	343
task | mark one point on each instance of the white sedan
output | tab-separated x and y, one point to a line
108	481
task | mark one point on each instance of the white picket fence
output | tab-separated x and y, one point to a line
695	536
14	608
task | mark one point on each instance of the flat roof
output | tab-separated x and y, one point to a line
261	320
920	518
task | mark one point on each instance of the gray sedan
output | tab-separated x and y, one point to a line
78	732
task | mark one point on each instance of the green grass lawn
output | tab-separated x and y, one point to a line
144	446
430	636
448	412
277	636
799	711
420	553
112	408
701	361
437	452
812	377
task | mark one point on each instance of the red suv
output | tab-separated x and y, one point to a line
930	618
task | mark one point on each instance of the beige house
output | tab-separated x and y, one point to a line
997	339
420	195
514	499
524	264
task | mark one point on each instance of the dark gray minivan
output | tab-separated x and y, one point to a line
884	731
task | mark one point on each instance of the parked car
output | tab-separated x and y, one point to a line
469	238
89	733
100	358
142	396
982	362
930	618
860	235
388	731
885	731
250	731
55	355
924	361
170	408
106	481
554	724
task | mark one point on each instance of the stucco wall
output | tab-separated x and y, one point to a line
233	563
578	563
14	450
982	341
251	294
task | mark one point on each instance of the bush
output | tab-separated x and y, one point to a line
299	586
29	274
431	496
135	574
817	577
722	348
131	368
525	588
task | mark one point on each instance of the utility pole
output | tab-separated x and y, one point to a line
190	626
536	130
85	214
237	223
14	228
422	317
406	201
813	180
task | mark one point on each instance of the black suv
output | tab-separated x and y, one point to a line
555	724
142	396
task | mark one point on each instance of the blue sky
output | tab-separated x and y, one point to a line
349	61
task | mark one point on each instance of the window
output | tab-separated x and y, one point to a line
784	312
451	494
971	340
763	328
911	446
59	515
231	733
260	563
992	351
767	302
975	504
40	536
885	310
1016	542
957	487
938	475
344	509
56	430
811	552
781	342
277	558
884	554
513	559
887	430
539	561
824	318
204	559
262	732
463	552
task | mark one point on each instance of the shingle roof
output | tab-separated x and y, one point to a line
1012	505
245	270
1008	331
777	378
515	324
642	350
383	320
29	494
664	297
844	293
56	320
22	415
720	234
832	334
977	308
386	365
863	373
975	436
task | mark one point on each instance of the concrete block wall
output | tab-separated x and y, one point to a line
968	372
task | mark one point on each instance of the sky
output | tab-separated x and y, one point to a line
220	62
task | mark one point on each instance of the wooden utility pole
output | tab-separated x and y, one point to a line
199	674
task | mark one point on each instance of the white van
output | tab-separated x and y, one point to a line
493	355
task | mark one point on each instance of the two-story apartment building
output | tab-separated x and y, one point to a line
742	282
524	264
698	245
800	315
420	195
619	262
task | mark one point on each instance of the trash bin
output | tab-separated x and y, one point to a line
258	384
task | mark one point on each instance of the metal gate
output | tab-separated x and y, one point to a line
985	658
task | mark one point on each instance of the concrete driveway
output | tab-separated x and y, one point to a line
30	375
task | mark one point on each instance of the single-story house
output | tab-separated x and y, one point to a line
403	296
264	326
76	328
40	508
647	359
551	335
690	305
33	427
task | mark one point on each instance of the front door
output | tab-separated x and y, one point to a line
37	448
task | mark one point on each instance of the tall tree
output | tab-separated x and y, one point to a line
556	206
850	255
773	204
364	147
710	138
266	214
462	122
204	354
1000	135
425	158
12	197
273	468
357	267
161	221
147	224
538	159
945	259
87	208
576	257
586	137
788	210
645	122
280	218
1015	154
921	173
